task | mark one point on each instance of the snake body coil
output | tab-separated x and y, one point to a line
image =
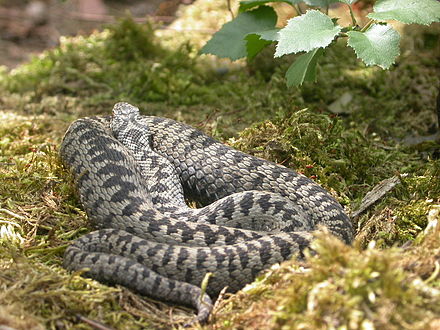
134	174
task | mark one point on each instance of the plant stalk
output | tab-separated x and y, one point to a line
353	19
365	28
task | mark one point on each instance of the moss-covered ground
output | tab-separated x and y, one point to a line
388	279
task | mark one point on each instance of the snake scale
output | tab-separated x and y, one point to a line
134	175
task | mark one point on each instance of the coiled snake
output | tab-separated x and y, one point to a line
134	174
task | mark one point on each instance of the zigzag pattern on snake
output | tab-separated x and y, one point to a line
134	174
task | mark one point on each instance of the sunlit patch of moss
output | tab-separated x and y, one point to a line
36	199
53	297
39	215
37	212
339	287
343	159
418	193
39	294
411	219
423	257
350	163
403	215
120	63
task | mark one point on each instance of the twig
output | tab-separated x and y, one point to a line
365	28
353	19
12	214
10	223
46	250
94	324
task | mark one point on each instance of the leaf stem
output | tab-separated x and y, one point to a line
353	19
365	28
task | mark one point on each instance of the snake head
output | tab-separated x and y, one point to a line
124	114
125	111
126	125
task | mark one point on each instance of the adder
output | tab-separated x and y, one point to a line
135	175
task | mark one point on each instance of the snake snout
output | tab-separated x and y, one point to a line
125	111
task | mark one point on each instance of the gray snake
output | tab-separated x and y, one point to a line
134	175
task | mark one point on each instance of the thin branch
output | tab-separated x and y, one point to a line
353	19
365	28
12	214
93	323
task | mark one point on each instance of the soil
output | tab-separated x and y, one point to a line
29	27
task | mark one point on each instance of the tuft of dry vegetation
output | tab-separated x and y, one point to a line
343	287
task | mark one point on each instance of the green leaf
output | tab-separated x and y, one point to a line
407	11
379	45
348	2
270	35
255	44
246	5
320	3
230	41
306	32
256	41
304	68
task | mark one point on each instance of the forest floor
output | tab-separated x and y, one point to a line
350	131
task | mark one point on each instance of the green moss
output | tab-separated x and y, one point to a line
39	215
131	42
340	287
350	163
348	154
344	159
121	62
56	298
